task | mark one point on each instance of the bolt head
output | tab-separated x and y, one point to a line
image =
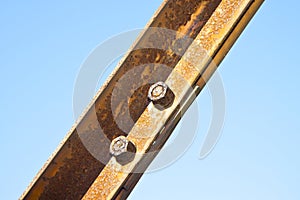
118	146
157	91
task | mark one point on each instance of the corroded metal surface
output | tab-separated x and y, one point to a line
72	169
185	75
132	179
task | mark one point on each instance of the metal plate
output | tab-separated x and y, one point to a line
74	171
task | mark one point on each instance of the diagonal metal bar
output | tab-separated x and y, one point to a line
73	172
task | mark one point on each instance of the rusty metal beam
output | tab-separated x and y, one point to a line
73	172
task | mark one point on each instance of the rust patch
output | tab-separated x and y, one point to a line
115	179
71	171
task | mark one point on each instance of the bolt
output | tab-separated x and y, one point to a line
157	91
122	149
161	95
118	146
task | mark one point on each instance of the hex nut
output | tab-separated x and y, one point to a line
161	95
122	149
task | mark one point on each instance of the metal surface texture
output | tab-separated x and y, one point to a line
73	172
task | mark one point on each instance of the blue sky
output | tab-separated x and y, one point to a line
43	45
